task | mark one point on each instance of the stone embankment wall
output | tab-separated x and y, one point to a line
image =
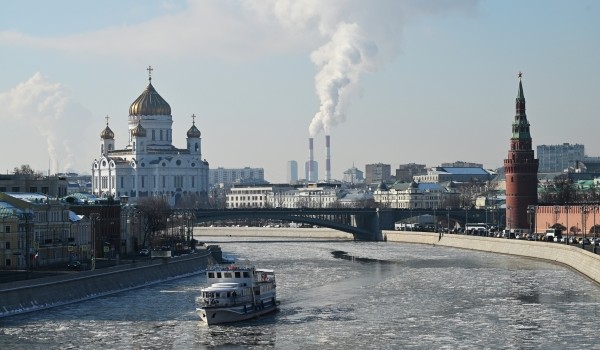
270	232
35	294
581	260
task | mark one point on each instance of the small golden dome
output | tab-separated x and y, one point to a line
139	131
107	134
193	132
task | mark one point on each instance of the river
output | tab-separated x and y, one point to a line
343	295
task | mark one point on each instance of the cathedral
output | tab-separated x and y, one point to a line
149	165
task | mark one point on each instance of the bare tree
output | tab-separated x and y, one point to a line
561	191
26	169
155	211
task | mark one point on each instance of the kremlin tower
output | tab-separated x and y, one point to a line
521	169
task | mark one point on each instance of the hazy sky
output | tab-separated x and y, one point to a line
391	81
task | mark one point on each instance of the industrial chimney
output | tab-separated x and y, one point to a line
327	159
311	158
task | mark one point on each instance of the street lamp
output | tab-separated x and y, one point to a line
448	220
595	208
568	228
584	211
466	218
509	219
531	212
94	217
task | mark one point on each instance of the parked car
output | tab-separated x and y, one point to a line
584	240
74	265
145	252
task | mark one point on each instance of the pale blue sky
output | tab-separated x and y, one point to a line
436	80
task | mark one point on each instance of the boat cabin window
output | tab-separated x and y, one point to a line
218	275
246	274
211	275
228	275
237	274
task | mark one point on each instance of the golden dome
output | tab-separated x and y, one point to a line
149	103
107	133
193	132
139	131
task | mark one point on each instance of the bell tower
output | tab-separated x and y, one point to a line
520	168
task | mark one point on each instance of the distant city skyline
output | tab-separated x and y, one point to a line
393	82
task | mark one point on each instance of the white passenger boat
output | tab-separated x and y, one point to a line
236	293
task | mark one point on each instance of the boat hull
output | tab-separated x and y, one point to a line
216	315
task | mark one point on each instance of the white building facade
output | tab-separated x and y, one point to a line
149	165
414	196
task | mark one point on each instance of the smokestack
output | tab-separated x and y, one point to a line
327	159
311	157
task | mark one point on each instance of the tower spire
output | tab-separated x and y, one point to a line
520	127
520	168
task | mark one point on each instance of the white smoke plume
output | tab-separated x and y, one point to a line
42	110
341	61
359	36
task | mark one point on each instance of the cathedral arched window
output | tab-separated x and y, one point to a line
153	135
196	147
161	135
102	149
134	145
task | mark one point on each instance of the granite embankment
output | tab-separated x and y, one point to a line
199	232
41	293
581	260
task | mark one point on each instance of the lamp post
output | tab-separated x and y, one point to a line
448	219
568	228
94	218
556	212
509	219
584	211
466	218
530	211
434	220
595	207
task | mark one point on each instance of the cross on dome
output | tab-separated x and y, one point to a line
106	119
150	69
193	119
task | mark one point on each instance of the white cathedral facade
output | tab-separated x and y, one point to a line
149	165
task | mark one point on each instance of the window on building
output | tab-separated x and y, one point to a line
15	189
161	134
33	189
7	245
7	262
153	135
7	228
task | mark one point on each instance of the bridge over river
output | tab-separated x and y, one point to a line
365	224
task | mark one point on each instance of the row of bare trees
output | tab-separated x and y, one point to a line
563	191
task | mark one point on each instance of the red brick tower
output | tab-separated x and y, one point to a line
521	169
